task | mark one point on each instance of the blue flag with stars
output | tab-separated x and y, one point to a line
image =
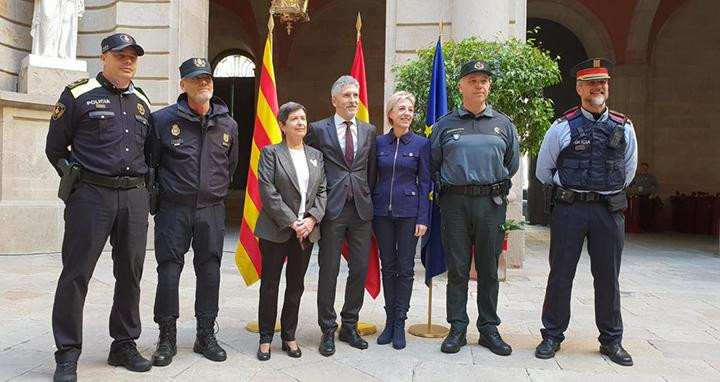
432	253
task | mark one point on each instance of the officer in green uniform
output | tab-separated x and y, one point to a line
474	154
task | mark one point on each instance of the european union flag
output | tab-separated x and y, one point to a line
432	253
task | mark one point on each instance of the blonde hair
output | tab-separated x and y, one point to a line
395	98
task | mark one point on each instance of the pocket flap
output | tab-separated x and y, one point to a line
142	120
410	192
410	155
573	163
101	114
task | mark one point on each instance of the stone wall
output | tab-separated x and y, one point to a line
15	40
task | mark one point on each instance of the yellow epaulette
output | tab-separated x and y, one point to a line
83	86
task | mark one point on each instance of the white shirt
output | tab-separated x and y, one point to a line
303	174
341	126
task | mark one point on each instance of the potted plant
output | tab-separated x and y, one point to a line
509	225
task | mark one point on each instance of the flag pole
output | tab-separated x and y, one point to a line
254	326
429	330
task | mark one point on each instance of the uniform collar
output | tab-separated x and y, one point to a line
488	112
588	115
217	107
110	86
405	138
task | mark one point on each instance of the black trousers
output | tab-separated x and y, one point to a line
177	227
348	226
468	221
570	224
93	214
397	243
273	258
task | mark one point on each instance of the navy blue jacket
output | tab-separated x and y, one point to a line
105	126
403	182
197	155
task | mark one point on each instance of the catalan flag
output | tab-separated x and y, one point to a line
432	253
372	282
266	132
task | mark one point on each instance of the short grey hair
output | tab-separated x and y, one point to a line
342	82
395	99
288	108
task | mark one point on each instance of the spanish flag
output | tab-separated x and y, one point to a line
266	132
372	282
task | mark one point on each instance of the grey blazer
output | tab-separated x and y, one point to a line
322	135
280	192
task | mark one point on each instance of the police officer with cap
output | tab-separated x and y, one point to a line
474	153
105	122
587	158
196	149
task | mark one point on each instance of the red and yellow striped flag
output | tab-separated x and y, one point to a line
266	132
372	282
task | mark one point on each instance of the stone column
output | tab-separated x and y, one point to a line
497	19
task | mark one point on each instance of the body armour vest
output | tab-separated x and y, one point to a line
592	161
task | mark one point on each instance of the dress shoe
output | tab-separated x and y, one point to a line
495	343
351	336
263	356
167	343
297	353
206	343
65	372
327	343
617	354
453	342
127	355
547	348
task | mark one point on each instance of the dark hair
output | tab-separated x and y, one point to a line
286	109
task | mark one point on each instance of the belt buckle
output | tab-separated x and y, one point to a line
123	181
495	189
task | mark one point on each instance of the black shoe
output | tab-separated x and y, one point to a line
453	342
547	348
495	343
65	372
617	354
327	343
167	343
297	353
351	336
127	355
206	343
263	356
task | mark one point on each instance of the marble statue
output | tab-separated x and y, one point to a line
55	26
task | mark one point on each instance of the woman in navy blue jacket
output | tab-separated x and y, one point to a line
401	204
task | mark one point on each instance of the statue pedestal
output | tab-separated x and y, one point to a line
49	75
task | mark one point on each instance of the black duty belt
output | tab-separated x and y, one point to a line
495	189
114	182
565	195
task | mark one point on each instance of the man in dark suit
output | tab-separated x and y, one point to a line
348	146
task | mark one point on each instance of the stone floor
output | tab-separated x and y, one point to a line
671	309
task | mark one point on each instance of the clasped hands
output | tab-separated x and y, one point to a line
303	227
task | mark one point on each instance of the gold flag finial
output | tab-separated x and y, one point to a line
358	25
441	28
271	26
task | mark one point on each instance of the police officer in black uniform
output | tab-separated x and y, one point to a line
196	147
105	122
587	158
474	153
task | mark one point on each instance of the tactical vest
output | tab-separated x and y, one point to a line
589	163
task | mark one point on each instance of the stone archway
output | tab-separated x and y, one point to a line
584	24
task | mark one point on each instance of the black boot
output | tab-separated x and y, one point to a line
206	343
403	292
167	342
65	371
389	293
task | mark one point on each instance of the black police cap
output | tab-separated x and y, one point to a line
120	41
592	69
475	66
194	67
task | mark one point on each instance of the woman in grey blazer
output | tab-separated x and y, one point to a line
291	179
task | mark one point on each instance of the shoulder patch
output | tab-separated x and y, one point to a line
141	94
58	111
77	83
84	87
618	117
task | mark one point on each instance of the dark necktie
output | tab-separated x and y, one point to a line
349	148
349	154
